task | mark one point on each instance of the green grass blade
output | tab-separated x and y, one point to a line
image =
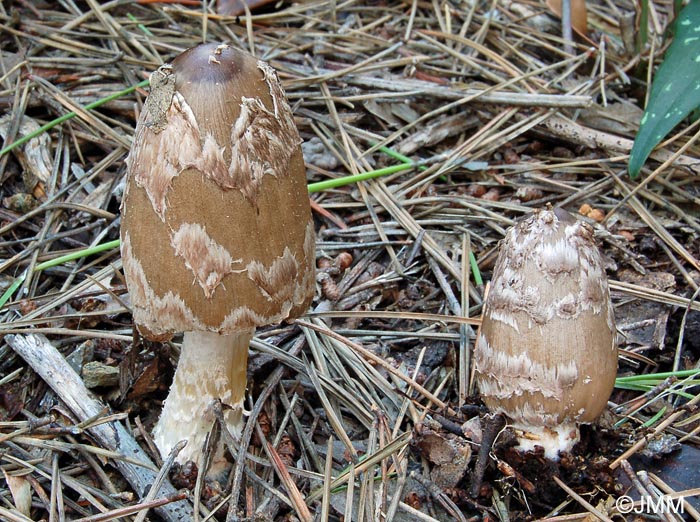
79	254
347	180
653	420
70	115
643	36
478	280
139	25
12	289
656	378
312	187
675	91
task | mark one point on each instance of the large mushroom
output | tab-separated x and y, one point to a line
546	355
217	236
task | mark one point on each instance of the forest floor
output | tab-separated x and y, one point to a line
366	408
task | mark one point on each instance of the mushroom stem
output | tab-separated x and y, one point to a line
553	439
211	367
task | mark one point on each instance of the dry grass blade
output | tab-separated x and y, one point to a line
327	479
369	355
162	475
671	494
399	315
668	421
578	498
141	509
367	462
13	516
332	416
298	501
652	294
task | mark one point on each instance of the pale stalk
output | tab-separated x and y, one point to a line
553	439
211	367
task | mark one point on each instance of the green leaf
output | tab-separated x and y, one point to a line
675	91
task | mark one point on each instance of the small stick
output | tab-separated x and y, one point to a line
566	32
578	498
629	471
129	510
298	500
240	465
662	426
160	478
671	493
492	425
643	489
440	496
52	367
656	494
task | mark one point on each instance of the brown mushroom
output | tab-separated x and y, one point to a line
546	355
217	237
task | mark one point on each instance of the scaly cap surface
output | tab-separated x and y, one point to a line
546	355
216	225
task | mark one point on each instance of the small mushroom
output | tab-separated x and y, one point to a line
217	236
546	355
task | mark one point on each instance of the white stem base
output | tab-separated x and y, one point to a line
553	440
211	367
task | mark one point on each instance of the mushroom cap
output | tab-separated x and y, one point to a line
546	353
216	225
